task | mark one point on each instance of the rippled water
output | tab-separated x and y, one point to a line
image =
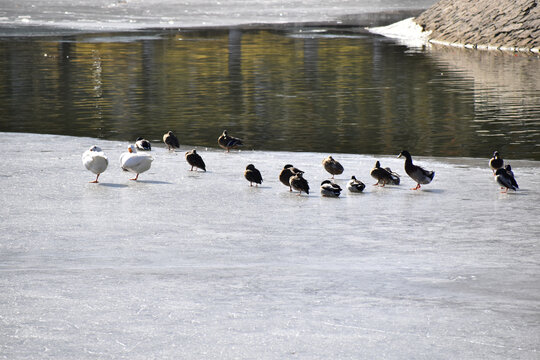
327	89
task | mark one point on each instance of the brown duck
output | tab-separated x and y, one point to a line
299	183
286	174
171	141
229	142
383	176
332	166
253	175
195	160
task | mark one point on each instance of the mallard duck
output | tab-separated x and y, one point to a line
510	173
416	173
171	141
395	176
134	162
330	189
228	142
143	144
355	185
286	173
332	166
299	183
383	176
95	160
195	160
253	175
504	179
496	162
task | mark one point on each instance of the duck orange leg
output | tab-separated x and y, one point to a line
95	181
135	178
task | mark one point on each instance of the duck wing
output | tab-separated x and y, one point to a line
137	163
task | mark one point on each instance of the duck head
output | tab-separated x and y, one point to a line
250	167
132	149
500	171
404	153
95	148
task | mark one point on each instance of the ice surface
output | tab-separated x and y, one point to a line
124	15
193	265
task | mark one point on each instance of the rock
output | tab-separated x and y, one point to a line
503	23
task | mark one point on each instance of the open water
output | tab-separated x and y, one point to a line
317	86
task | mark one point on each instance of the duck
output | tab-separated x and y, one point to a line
298	182
510	173
134	162
416	173
229	142
143	144
95	160
286	173
383	176
504	179
395	176
332	166
330	189
253	175
496	162
171	141
355	185
195	160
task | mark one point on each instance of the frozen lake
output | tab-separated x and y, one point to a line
200	265
122	15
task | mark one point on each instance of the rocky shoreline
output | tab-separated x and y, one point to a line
512	25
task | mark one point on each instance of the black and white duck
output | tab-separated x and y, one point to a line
330	189
355	185
143	144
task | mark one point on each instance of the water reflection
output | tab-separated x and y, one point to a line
328	90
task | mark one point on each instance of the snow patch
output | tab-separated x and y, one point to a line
407	32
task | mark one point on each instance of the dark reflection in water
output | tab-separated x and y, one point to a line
311	89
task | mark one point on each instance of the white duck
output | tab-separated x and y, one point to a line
134	162
95	160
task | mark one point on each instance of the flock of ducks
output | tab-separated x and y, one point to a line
95	160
